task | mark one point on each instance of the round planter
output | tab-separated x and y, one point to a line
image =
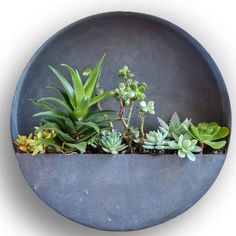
125	192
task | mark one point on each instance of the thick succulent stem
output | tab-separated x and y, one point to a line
202	146
130	112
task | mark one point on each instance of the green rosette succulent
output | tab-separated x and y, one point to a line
186	146
209	133
111	142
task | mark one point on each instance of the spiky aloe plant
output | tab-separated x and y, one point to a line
72	118
111	142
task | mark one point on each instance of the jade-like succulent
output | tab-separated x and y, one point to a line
186	146
144	107
125	73
156	140
131	91
111	142
175	127
209	133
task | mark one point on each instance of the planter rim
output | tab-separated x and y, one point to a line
116	155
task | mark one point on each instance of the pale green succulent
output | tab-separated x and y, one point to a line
175	127
111	142
144	107
156	140
186	146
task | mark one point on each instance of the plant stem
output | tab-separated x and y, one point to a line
202	146
121	114
130	112
142	118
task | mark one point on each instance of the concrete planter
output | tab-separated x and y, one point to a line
125	192
121	192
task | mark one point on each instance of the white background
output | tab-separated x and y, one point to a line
25	25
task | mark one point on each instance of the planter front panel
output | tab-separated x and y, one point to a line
122	192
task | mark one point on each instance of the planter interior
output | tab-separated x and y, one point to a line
181	77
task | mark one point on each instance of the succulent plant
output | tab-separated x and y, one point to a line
72	118
144	107
175	127
129	92
134	134
209	133
186	146
23	143
38	142
156	140
125	73
111	142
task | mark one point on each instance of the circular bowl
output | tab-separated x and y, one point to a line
127	192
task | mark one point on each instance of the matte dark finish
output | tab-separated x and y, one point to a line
181	77
123	192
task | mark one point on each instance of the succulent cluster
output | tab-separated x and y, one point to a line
37	142
184	136
76	122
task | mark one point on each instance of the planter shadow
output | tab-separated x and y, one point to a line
127	192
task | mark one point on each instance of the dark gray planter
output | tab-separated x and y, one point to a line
122	192
127	192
